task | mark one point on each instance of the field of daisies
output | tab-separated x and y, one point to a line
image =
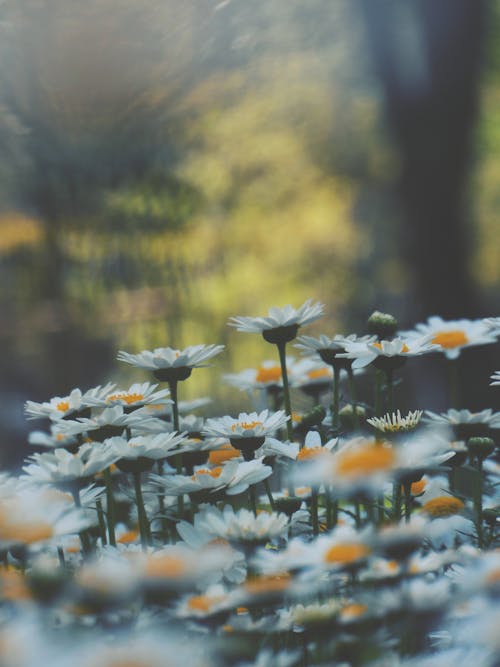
355	533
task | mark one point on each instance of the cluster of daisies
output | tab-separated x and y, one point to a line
343	533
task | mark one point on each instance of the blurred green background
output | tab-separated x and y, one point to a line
167	164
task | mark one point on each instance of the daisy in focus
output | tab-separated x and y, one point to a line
453	335
166	362
280	323
397	350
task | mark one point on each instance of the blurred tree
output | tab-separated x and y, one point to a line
428	57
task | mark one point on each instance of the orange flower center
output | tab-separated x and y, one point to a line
365	460
215	472
353	610
450	339
310	453
417	488
203	602
319	373
23	532
268	583
166	566
343	554
225	453
268	374
63	406
443	506
246	426
128	537
126	398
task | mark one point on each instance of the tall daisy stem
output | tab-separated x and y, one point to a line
141	512
269	493
110	506
335	400
253	499
408	500
172	385
353	396
478	505
314	511
453	383
102	522
286	389
84	536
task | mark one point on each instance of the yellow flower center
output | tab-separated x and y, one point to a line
215	472
63	406
343	554
203	602
268	374
310	453
268	583
23	532
365	460
126	398
443	506
225	453
450	339
318	374
128	537
246	426
417	488
168	566
353	610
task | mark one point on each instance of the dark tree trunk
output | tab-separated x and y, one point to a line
428	55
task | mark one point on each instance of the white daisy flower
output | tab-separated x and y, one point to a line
61	466
137	395
465	424
327	348
110	419
248	432
153	447
200	539
243	526
233	478
399	349
246	425
163	360
495	379
452	335
265	376
60	407
34	516
279	321
53	439
395	423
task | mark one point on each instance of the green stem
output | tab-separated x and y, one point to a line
253	499
143	519
314	511
286	389
110	504
478	505
335	400
396	501
102	522
357	513
353	396
408	501
269	494
84	536
172	385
